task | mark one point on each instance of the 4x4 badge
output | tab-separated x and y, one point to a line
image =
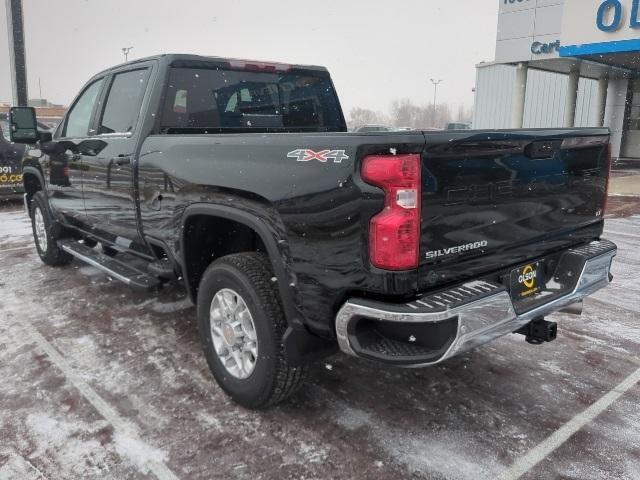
306	155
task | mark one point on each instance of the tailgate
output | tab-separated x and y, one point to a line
495	198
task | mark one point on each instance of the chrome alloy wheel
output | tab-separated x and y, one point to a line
41	229
233	333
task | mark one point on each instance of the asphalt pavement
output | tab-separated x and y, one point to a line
102	382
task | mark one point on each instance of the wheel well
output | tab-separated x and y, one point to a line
31	185
207	238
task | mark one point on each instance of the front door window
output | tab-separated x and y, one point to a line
79	118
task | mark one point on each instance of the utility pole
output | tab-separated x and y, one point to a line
17	55
126	51
435	98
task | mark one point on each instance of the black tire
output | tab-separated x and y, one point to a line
273	379
50	253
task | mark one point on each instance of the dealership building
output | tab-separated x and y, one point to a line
565	63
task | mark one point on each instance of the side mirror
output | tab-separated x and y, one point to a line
23	127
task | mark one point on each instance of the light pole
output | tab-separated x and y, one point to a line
126	51
435	97
17	56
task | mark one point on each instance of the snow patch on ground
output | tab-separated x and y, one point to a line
312	453
90	271
18	468
157	306
64	441
137	452
15	224
554	368
352	418
442	457
440	453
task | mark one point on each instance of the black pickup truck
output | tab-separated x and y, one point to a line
295	238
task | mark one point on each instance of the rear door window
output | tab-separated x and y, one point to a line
225	100
124	102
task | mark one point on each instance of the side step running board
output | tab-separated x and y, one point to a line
112	267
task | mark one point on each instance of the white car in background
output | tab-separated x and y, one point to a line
380	128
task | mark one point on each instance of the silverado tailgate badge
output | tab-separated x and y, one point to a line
306	155
458	249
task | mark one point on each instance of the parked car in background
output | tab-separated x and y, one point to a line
11	156
459	126
374	128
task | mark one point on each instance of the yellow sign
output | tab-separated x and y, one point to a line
4	178
528	277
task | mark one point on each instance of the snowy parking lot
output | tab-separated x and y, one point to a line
99	381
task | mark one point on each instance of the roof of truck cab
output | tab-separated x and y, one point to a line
170	58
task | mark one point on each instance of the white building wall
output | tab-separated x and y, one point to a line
546	96
545	100
586	105
614	113
494	96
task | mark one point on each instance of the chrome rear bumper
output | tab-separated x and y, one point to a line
463	317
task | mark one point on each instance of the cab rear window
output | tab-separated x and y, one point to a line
217	100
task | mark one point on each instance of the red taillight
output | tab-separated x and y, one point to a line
607	181
254	66
394	234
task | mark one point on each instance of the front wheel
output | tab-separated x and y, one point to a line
241	327
46	233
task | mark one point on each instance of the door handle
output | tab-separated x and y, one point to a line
121	160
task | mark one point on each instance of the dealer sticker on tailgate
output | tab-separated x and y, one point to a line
527	281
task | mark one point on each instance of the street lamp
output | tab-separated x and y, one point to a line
126	51
435	97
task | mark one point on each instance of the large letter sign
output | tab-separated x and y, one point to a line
606	6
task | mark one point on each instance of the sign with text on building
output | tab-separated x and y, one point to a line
528	30
592	27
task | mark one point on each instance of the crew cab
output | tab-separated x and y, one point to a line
295	238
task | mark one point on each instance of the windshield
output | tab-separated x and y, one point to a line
213	99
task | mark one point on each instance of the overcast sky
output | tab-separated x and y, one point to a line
376	50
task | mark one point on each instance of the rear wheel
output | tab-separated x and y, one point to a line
46	233
241	327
